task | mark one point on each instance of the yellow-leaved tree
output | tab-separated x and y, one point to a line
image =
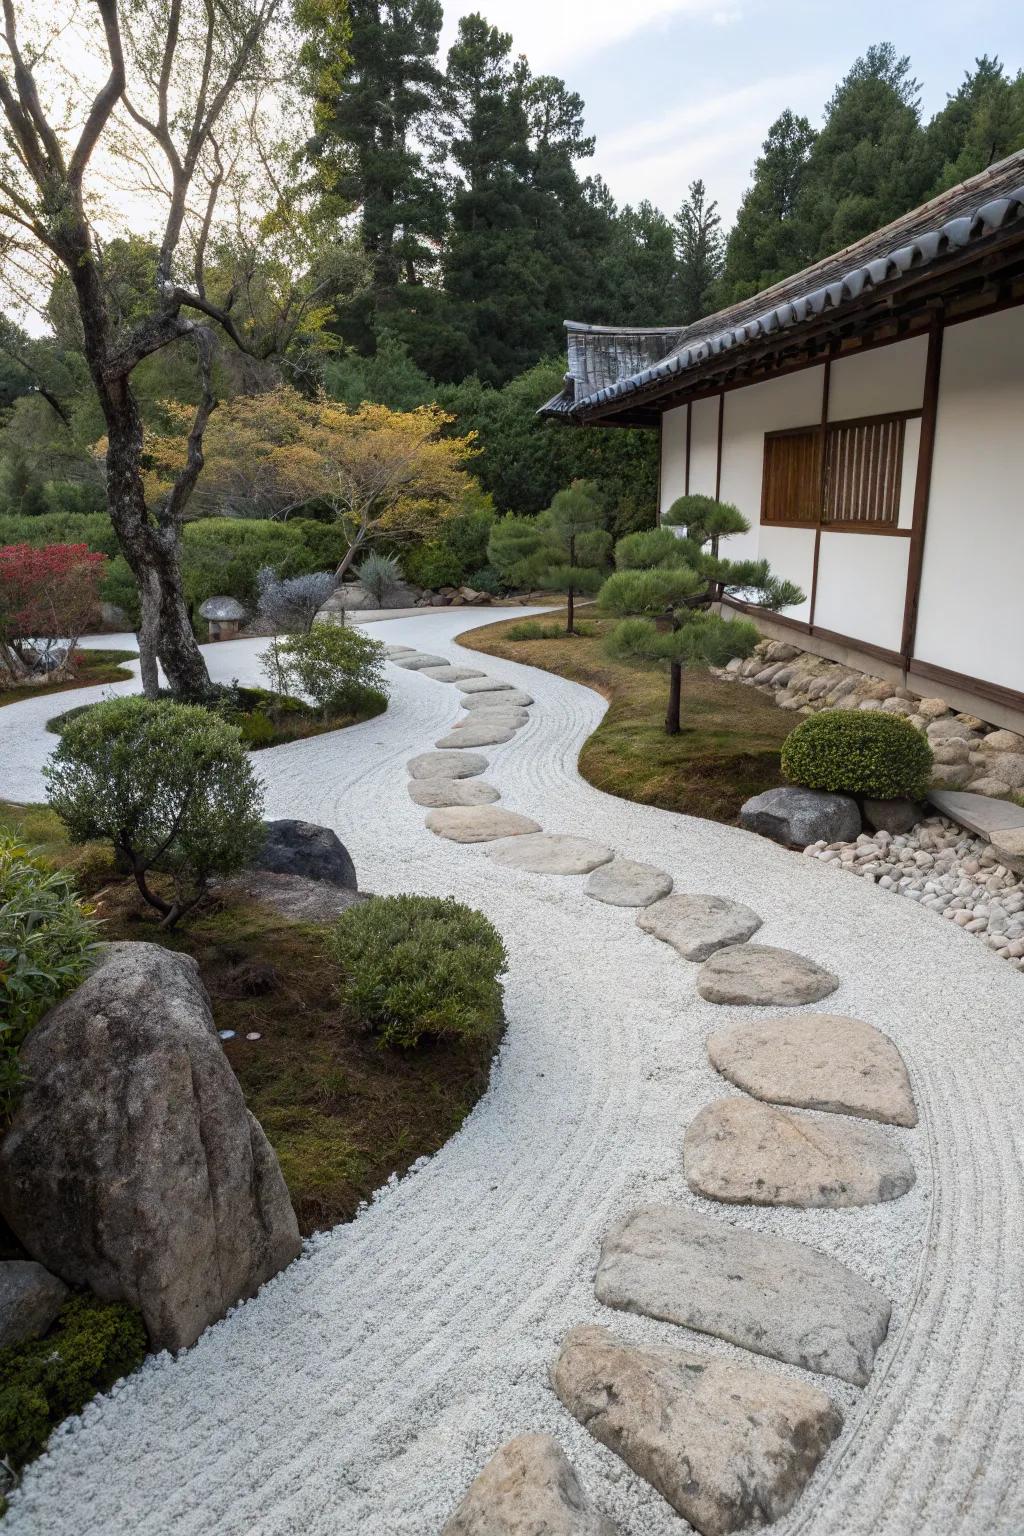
383	474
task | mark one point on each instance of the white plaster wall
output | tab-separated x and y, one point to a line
673	456
862	585
908	481
878	381
790	553
791	401
971	613
704	447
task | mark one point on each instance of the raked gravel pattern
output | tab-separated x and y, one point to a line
364	1388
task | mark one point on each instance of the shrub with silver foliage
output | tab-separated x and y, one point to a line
288	605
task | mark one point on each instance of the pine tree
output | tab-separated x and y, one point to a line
699	253
577	546
982	122
664	587
638	268
762	245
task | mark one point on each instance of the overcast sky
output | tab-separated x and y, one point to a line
677	89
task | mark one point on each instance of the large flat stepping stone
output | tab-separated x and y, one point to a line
747	1153
764	1293
528	1488
479	823
390	651
500	696
553	853
978	813
448	674
418	661
817	1061
483	684
727	1445
478	733
511	717
625	883
698	925
761	975
446	765
439	792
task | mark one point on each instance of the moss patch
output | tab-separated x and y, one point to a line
91	668
727	750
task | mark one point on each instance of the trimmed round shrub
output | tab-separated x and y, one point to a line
169	785
340	670
92	1344
415	966
858	752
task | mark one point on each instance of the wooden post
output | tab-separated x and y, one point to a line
922	489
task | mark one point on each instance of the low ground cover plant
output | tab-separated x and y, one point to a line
340	670
92	1344
548	631
420	966
47	943
865	753
168	785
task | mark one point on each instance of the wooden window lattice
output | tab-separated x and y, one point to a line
860	485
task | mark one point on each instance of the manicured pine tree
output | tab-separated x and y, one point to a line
665	585
577	546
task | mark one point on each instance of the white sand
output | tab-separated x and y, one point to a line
364	1388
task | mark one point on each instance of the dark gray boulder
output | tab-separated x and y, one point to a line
895	816
303	848
132	1165
796	817
30	1298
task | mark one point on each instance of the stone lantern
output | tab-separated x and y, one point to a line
224	616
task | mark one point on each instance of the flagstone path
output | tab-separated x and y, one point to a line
366	1387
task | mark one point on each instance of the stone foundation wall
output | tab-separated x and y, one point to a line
969	753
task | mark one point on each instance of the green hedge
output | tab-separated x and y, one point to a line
92	1344
416	966
858	752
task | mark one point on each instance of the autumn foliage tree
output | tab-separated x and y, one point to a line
382	474
49	595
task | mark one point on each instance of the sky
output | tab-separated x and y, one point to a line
680	89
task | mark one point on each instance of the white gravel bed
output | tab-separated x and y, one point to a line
948	871
361	1391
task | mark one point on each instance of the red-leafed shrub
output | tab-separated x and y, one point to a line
48	596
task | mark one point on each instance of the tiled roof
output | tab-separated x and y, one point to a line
608	363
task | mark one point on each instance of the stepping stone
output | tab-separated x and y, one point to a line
746	1153
483	733
446	765
499	697
978	813
419	661
817	1061
552	853
756	973
528	1488
511	717
696	926
482	684
435	792
625	883
391	651
727	1445
479	823
448	674
766	1294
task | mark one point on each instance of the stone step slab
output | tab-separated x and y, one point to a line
727	1445
762	976
553	853
510	717
418	661
391	651
764	1293
439	792
498	695
627	883
696	926
446	765
483	684
448	674
822	1061
477	733
479	823
977	813
746	1153
528	1488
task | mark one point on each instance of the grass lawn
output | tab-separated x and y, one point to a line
91	667
341	1113
727	751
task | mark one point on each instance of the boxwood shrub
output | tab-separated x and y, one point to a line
858	752
415	966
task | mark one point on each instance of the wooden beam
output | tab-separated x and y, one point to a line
718	464
922	488
689	435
